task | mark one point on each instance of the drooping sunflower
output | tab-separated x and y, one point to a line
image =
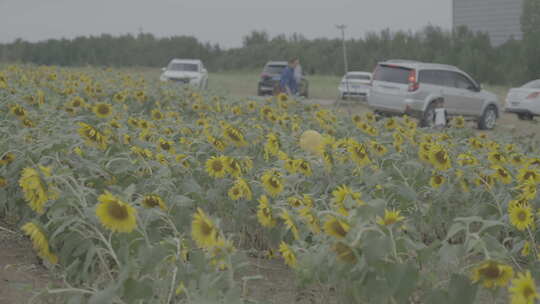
521	216
39	242
156	114
523	289
116	215
203	230
439	158
235	136
496	158
7	158
303	167
287	254
528	190
102	110
92	136
344	253
390	217
264	213
307	215
379	149
290	224
436	181
359	154
153	200
336	227
239	190
217	166
272	182
166	145
234	167
528	174
35	189
492	274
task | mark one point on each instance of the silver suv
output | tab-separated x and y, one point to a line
410	87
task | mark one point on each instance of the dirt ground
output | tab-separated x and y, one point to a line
22	276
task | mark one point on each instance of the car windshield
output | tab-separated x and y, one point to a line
274	69
392	74
358	77
535	84
186	67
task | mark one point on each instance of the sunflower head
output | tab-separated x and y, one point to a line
115	214
521	216
203	230
344	253
523	289
152	201
390	217
436	181
288	255
217	166
492	274
102	110
335	227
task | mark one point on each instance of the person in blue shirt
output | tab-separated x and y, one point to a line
288	82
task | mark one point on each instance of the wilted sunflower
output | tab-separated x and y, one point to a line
439	158
102	110
521	216
34	188
344	253
39	242
287	254
7	158
156	114
234	167
203	230
390	217
217	166
436	181
152	201
492	274
528	190
92	136
272	183
239	190
335	227
523	289
115	214
18	111
264	213
496	158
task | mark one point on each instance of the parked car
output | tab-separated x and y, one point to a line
355	84
271	75
525	100
186	71
410	87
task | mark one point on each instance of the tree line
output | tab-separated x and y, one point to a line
511	63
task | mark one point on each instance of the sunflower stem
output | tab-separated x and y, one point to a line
394	250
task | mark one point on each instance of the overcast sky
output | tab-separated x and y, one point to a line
216	21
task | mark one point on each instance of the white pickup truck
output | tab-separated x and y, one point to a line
186	71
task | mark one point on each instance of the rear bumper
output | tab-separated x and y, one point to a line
521	111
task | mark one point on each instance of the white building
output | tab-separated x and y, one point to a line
501	19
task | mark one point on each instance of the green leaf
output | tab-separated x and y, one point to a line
461	290
136	290
104	296
151	257
401	280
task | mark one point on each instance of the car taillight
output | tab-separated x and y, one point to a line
413	83
264	76
533	95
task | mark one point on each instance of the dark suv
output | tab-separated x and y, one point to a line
271	76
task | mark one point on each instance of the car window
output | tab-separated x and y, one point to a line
430	77
358	77
461	81
274	69
535	84
392	74
186	67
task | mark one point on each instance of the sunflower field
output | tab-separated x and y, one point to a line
134	191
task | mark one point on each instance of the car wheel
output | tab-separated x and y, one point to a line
488	119
428	117
525	116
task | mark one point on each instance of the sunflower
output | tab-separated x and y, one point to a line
476	143
217	166
272	182
287	254
3	182
119	97
311	141
289	223
439	158
521	216
166	145
502	174
203	230
217	143
492	274
282	97
115	214
7	158
92	136
496	158
18	111
436	181
235	136
528	174
484	180
458	122
390	217
152	201
309	217
335	227
526	249
344	253
523	289
234	167
303	167
467	159
264	213
528	190
156	114
39	242
295	201
378	148
34	188
517	159
239	190
77	102
390	124
102	110
359	154
341	194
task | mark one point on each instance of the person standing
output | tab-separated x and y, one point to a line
287	82
298	75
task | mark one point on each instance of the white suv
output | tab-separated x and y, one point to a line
186	71
524	101
411	87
